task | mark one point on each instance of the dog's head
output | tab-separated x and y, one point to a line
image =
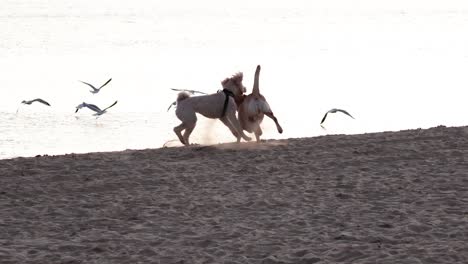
234	84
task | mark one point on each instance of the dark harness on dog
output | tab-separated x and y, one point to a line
227	93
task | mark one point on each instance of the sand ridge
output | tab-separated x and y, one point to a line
392	197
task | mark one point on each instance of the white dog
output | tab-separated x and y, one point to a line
218	105
252	109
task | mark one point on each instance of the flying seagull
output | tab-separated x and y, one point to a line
95	108
94	89
32	101
183	90
188	91
334	110
35	100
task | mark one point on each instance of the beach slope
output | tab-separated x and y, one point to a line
392	197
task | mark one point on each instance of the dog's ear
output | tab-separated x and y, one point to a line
237	78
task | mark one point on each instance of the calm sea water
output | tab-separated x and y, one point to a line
393	66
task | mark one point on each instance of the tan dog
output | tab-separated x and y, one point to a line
218	105
252	109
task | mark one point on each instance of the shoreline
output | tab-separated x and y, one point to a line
242	145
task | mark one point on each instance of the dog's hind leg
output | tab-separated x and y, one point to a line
178	130
187	115
258	133
188	130
270	115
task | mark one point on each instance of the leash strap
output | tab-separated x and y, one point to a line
226	100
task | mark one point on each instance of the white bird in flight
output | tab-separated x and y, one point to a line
334	110
95	108
188	91
96	90
32	101
35	100
184	90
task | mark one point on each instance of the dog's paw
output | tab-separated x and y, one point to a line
280	129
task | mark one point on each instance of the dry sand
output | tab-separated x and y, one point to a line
393	197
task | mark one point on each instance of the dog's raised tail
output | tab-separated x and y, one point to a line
256	89
182	96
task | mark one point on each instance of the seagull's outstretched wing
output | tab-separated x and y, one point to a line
345	112
324	117
90	85
110	106
180	90
334	110
105	83
174	103
95	108
188	91
41	101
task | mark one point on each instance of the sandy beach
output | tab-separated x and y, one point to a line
391	197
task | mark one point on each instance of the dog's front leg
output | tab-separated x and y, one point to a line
237	126
226	121
270	115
